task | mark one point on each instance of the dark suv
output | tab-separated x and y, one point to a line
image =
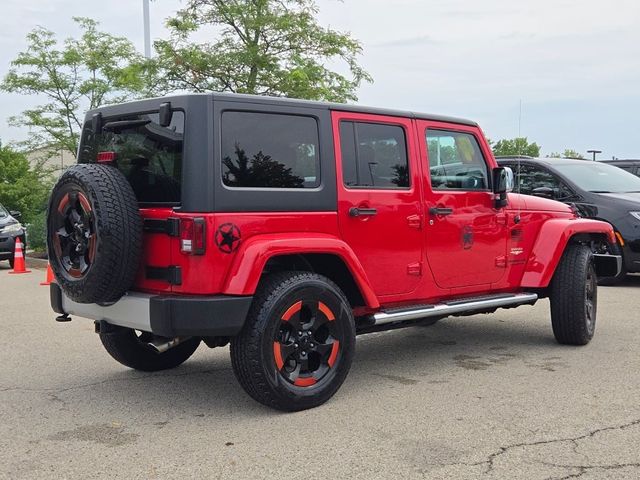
596	189
287	227
10	230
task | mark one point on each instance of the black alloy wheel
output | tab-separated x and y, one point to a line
307	343
74	233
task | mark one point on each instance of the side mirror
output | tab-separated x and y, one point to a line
503	182
165	114
544	192
16	214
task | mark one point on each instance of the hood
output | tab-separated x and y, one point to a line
631	199
8	220
529	202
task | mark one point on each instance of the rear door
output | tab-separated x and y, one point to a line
379	209
466	236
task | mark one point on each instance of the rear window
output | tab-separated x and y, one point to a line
149	155
266	150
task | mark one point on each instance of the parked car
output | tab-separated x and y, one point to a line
631	166
287	227
10	230
597	190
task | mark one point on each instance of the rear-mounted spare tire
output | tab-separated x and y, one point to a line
94	233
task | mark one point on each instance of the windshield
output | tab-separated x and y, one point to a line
3	212
600	177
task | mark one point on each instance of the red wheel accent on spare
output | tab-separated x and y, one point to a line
92	248
334	353
326	310
63	203
84	202
305	382
277	354
295	308
74	272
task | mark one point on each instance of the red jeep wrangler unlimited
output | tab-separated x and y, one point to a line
288	227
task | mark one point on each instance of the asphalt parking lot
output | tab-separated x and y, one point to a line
475	397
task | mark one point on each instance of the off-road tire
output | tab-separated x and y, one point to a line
118	229
574	297
125	346
252	351
611	281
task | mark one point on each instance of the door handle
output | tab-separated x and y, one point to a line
362	212
441	211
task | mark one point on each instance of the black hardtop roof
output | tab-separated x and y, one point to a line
142	105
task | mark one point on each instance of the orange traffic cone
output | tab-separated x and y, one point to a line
50	278
18	259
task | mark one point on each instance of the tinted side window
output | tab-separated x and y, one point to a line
531	177
264	150
374	155
456	161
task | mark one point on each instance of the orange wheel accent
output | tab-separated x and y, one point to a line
305	382
84	202
327	312
277	353
295	308
64	203
334	353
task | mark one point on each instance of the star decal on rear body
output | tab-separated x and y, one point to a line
228	238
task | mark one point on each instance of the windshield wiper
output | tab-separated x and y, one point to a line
599	191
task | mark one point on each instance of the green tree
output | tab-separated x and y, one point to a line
71	77
568	153
266	47
22	187
516	146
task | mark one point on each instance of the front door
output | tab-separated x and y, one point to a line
379	205
466	236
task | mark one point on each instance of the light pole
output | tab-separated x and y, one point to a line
594	153
147	29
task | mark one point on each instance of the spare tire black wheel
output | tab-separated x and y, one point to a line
94	233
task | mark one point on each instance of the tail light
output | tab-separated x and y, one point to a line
106	157
192	236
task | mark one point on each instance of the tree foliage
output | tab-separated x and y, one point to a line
266	47
71	77
22	187
516	146
568	153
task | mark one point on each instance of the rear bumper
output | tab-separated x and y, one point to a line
165	315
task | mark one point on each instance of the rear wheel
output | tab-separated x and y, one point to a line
574	297
297	344
130	349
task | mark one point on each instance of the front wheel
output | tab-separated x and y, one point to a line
297	344
574	297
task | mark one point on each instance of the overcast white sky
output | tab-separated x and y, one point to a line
574	64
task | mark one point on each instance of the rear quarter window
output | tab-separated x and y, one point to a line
265	150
